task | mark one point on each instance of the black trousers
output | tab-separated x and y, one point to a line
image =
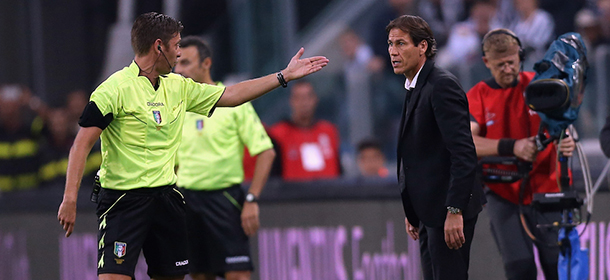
515	246
437	260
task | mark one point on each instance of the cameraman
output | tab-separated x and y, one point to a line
502	125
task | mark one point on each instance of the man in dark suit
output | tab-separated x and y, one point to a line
436	154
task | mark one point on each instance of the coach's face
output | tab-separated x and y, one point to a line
406	57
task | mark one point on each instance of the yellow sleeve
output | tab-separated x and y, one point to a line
251	131
201	98
106	99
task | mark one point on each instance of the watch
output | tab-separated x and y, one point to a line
250	197
453	210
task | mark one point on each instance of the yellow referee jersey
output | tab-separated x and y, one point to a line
212	149
140	144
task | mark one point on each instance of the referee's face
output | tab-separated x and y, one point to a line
169	56
189	65
406	57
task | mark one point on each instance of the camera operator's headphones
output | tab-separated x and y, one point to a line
505	32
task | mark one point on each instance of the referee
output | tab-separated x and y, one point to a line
220	216
139	112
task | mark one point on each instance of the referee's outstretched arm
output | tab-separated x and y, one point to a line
85	139
248	90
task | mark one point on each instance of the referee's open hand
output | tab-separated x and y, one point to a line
298	68
67	216
249	218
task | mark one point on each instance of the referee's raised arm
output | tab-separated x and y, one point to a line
251	89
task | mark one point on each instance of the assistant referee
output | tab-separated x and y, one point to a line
139	112
220	216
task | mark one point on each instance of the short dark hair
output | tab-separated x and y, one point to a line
151	26
203	48
368	144
418	29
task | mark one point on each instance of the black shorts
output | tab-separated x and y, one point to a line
217	242
152	220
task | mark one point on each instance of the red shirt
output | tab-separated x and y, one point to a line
249	165
307	153
249	161
502	113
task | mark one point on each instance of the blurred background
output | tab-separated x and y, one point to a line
54	53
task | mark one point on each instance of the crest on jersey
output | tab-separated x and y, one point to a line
157	115
120	248
199	124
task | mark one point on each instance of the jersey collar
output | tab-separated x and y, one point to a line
491	82
133	68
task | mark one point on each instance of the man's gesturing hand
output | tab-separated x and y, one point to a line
298	68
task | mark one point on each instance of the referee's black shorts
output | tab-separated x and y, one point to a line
149	219
217	241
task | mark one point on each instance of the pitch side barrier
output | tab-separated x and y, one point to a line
336	229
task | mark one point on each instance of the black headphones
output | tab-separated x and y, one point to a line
159	48
506	32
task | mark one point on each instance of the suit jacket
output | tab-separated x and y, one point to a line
436	155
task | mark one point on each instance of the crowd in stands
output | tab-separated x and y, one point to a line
35	139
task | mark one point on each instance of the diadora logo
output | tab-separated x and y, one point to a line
182	263
155	104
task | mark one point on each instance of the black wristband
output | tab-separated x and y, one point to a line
280	78
506	147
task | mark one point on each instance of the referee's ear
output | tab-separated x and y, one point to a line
207	63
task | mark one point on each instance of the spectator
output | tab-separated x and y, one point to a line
534	27
442	15
563	13
604	9
20	131
75	103
308	148
56	148
357	69
371	161
356	52
505	14
464	45
589	26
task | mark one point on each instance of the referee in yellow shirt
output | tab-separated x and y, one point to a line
139	112
220	216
